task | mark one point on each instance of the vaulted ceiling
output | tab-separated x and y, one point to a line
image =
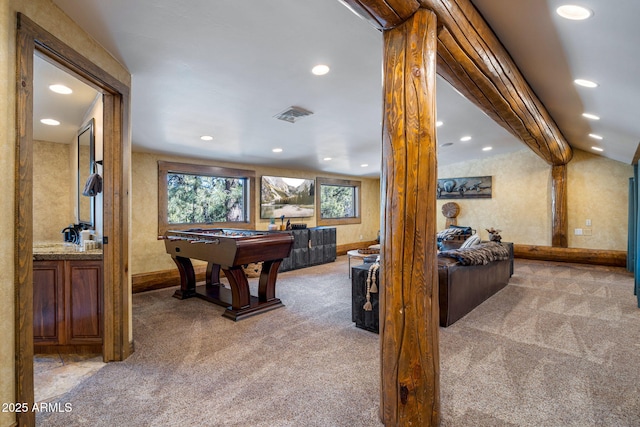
225	68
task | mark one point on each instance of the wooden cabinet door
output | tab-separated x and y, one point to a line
48	302
84	302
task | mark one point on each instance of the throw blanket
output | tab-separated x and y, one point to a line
481	254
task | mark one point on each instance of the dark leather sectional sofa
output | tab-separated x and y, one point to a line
464	287
461	288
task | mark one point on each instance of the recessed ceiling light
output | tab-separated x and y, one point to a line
585	83
277	150
594	136
590	116
61	89
465	138
206	137
573	12
487	149
320	70
597	149
446	144
50	122
439	123
326	159
364	165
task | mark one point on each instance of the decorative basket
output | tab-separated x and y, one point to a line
368	251
253	269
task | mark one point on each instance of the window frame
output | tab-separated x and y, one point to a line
164	168
341	183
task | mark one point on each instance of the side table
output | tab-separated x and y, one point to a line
355	254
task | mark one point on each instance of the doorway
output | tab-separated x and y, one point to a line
67	147
117	342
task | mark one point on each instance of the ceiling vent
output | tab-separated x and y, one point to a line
293	114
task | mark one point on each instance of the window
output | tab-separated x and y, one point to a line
204	196
204	199
339	201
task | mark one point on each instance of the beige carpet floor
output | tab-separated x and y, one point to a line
559	346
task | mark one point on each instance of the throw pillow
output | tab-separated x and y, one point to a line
463	229
471	241
448	233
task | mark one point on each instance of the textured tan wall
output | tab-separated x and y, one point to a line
47	15
521	203
55	193
148	254
53	190
47	182
598	189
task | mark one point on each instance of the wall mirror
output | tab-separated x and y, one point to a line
86	166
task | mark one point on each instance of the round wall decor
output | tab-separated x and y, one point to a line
450	210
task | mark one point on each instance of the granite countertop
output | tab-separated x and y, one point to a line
55	251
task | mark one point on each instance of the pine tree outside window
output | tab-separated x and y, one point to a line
204	199
191	196
339	201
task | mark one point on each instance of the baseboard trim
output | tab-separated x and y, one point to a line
142	282
67	348
575	255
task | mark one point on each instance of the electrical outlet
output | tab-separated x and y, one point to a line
361	237
586	232
588	223
578	231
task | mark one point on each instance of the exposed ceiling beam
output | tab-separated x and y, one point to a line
636	156
472	60
384	14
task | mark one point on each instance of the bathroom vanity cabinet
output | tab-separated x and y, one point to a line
67	304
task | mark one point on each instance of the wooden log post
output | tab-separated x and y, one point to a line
559	236
410	392
472	59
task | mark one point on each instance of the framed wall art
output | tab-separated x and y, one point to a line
474	187
291	197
